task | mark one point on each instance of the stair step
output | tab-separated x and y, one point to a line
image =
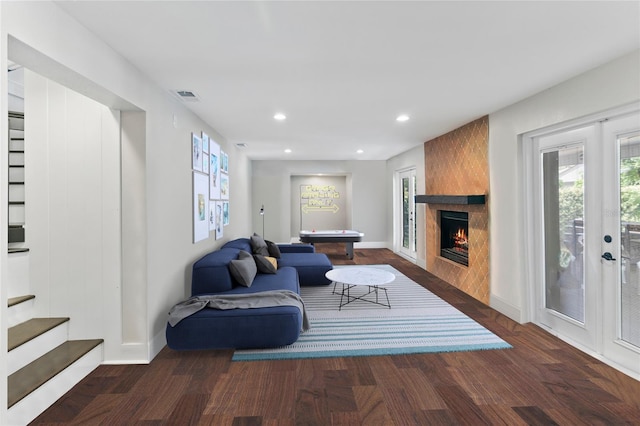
28	330
21	309
19	299
32	376
18	250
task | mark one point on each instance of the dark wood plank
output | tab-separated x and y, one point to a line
534	416
542	380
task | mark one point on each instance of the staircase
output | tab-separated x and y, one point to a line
42	363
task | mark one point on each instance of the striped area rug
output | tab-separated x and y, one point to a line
417	322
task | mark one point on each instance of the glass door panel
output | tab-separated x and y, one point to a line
406	241
629	292
563	198
406	213
568	233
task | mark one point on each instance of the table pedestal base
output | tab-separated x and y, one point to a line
346	297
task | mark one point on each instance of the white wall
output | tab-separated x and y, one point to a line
73	191
611	85
271	186
156	195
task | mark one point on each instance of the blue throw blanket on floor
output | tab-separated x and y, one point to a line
262	299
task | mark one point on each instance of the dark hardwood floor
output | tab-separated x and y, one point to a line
541	381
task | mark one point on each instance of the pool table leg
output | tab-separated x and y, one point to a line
350	250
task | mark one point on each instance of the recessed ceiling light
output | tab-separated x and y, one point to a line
288	151
360	151
402	118
279	116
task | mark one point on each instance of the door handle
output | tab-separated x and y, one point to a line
608	256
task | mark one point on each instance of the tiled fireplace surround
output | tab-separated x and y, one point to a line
457	164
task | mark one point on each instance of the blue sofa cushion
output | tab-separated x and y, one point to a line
240	244
243	328
211	273
285	278
296	248
236	328
311	267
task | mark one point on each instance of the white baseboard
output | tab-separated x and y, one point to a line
127	353
505	308
370	245
159	341
137	353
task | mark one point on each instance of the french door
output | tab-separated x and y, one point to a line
406	224
587	238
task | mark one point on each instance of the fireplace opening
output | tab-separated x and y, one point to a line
454	236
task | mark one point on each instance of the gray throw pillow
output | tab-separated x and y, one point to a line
264	265
258	245
243	269
274	250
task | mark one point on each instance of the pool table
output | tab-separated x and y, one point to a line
333	236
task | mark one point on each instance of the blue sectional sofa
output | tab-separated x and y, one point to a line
263	327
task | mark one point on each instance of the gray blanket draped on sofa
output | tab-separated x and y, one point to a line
263	299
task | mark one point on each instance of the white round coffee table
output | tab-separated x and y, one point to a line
350	277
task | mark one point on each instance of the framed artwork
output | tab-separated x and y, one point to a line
219	219
200	207
205	143
225	213
224	186
205	163
212	216
225	162
196	152
214	170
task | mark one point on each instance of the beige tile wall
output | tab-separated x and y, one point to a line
457	164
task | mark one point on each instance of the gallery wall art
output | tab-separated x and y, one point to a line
214	170
200	207
210	168
205	153
196	152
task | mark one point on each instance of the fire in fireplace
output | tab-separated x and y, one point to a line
454	236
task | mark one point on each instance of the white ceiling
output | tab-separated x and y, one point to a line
342	71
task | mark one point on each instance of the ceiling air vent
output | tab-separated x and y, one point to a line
187	95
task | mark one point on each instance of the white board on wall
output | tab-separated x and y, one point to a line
320	202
